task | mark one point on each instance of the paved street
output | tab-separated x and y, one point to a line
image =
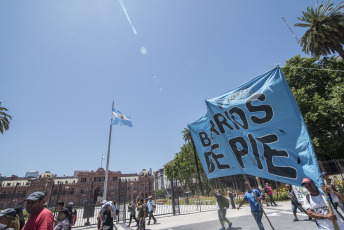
280	216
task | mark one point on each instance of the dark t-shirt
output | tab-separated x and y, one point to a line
41	220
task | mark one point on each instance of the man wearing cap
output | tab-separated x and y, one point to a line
316	207
295	204
151	208
40	217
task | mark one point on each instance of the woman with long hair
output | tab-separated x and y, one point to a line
9	219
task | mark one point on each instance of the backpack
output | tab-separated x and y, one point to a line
266	190
226	203
222	201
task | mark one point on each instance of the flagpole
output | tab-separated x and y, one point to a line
107	160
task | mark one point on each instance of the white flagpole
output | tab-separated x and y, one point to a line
107	160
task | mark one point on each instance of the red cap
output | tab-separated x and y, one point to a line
306	180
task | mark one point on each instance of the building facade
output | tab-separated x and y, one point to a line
85	187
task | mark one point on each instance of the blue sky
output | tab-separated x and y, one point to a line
62	63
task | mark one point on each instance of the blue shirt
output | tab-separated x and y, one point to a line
250	198
150	205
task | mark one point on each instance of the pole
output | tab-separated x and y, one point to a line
261	206
199	176
107	161
330	208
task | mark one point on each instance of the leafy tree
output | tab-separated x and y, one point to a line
326	29
320	96
183	168
186	135
4	119
159	193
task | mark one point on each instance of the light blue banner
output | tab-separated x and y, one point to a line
256	129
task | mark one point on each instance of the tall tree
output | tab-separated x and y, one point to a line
4	119
320	96
326	29
186	135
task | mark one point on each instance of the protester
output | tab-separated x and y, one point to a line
64	220
132	210
9	219
73	213
335	187
141	214
255	207
295	204
316	207
40	217
231	197
106	217
268	190
151	208
222	205
19	211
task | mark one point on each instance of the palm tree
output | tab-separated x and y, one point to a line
326	29
186	135
4	119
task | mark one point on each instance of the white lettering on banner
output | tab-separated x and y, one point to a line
300	193
236	118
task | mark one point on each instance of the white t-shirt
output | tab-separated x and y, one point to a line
319	205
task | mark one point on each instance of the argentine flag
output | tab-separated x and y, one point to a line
119	118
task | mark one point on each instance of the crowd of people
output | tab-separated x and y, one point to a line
41	218
139	210
314	204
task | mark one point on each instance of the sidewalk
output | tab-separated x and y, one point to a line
170	221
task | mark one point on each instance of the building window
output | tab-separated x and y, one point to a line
82	190
8	184
66	182
83	180
114	178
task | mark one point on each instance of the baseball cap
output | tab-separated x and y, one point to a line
103	202
71	203
150	197
8	212
306	181
36	196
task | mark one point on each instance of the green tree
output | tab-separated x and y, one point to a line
183	168
159	193
4	119
186	135
320	96
326	29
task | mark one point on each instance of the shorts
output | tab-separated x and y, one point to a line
293	208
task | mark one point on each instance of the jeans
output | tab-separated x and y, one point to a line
258	214
271	199
150	215
132	215
222	216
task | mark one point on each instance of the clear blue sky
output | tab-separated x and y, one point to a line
63	62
